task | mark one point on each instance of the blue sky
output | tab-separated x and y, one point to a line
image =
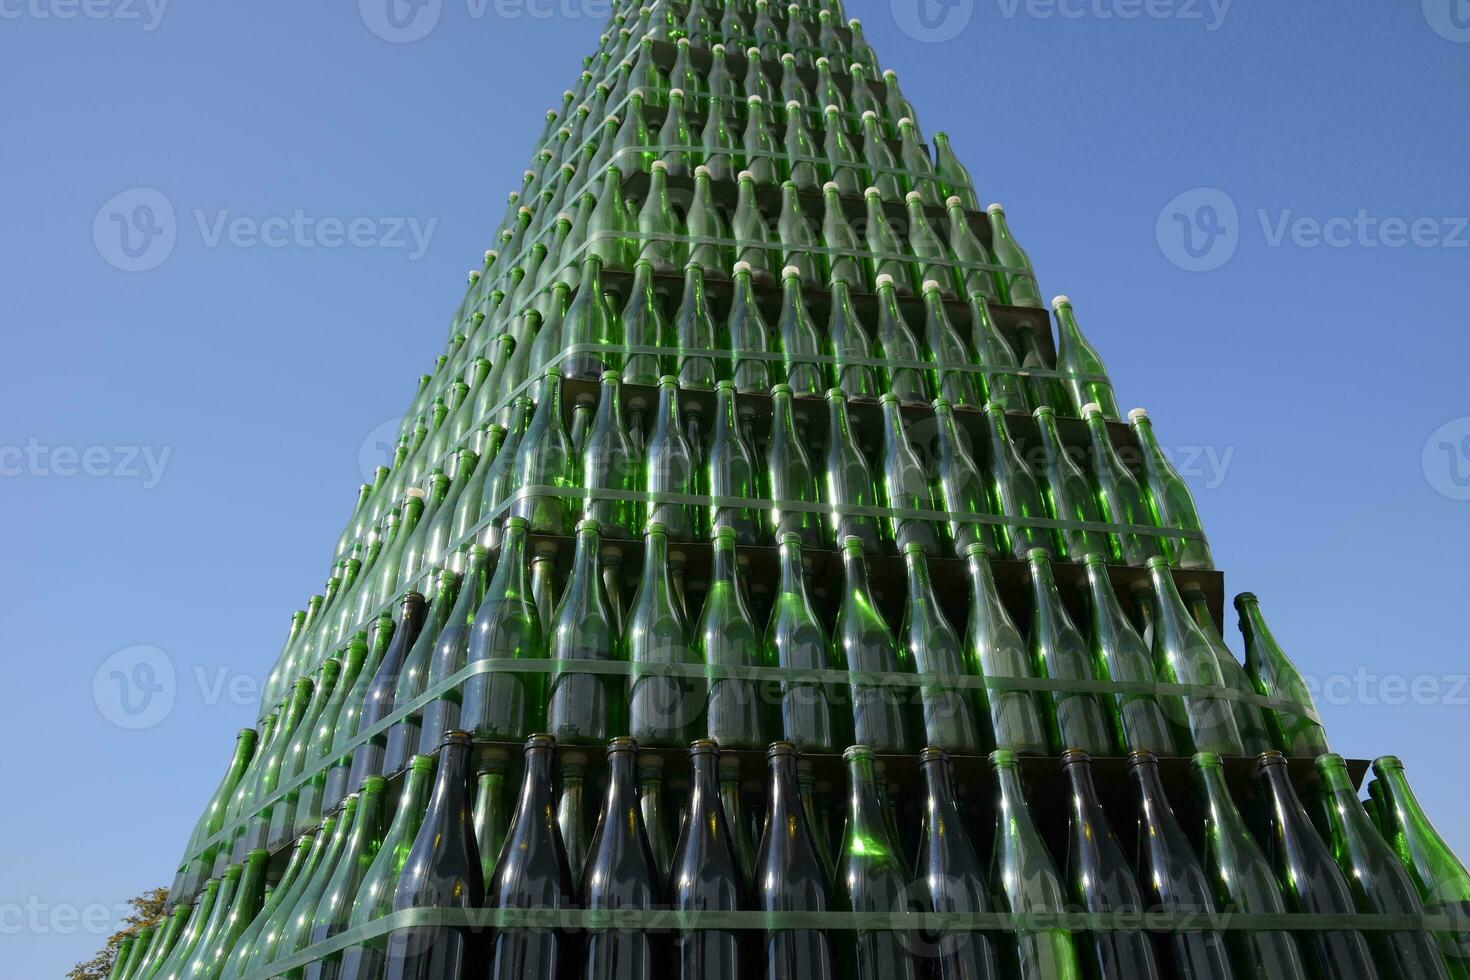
1258	209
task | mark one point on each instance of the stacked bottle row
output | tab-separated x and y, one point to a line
1160	870
906	683
806	33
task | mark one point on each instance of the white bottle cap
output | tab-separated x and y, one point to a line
742	266
1091	408
660	165
718	47
952	201
829	108
701	169
830	185
756	99
414	492
996	207
790	270
823	59
869	114
930	284
1060	301
870	190
563	216
883	279
1134	414
913	196
744	174
677	91
890	73
905	121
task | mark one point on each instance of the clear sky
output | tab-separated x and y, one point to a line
1259	210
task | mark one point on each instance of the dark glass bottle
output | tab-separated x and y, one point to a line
403	737
871	877
1099	880
1243	880
656	816
442	870
621	875
532	873
706	875
367	760
789	878
500	703
451	650
1172	878
1310	879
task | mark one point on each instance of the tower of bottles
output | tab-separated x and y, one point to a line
757	546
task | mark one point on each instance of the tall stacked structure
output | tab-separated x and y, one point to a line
752	470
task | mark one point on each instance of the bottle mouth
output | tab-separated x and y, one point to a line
933	754
1076	757
776	749
455	737
1206	760
1268	759
704	746
1390	763
625	743
1142	757
857	752
1002	757
540	741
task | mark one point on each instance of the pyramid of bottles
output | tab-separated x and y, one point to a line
753	470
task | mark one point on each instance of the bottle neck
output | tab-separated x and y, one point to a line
866	827
535	797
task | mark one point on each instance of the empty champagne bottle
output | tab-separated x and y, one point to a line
657	227
608	464
367	758
974	271
796	640
645	326
789	878
1250	719
331	914
798	238
850	346
507	625
270	933
349	720
797	336
1120	653
1173	880
1066	493
1016	281
870	877
621	875
935	651
790	475
863	642
203	911
656	817
1059	652
887	255
694	333
735	715
947	352
196	958
532	873
1119	498
583	707
961	486
748	334
1013	491
996	650
850	482
1443	883
1309	877
1275	676
732	471
442	870
1378	882
1026	882
374	896
1100	881
661	704
544	465
209	960
670	467
587	322
1243	880
198	860
571	810
1169	500
748	227
742	825
1182	655
1086	378
906	485
404	736
706	875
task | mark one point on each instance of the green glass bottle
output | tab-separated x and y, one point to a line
1170	503
790	475
952	174
373	897
973	271
757	145
1067	493
201	953
849	344
1443	882
1099	880
849	479
1309	877
694	333
748	227
842	158
303	741
1120	653
1250	719
1182	655
274	929
673	135
296	926
661	706
840	239
444	610
947	352
1172	879
735	715
450	653
607	238
706	226
506	626
906	485
717	138
887	255
863	642
608	464
670	467
732	472
1058	651
571	810
1120	500
1013	491
796	640
645	326
203	911
935	651
583	707
1026	881
747	335
169	932
961	486
209	962
657	227
995	649
1016	280
1275	676
655	815
903	376
1077	358
335	906
346	726
587	322
1243	880
801	154
882	166
798	337
491	817
544	460
1379	883
871	877
197	861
